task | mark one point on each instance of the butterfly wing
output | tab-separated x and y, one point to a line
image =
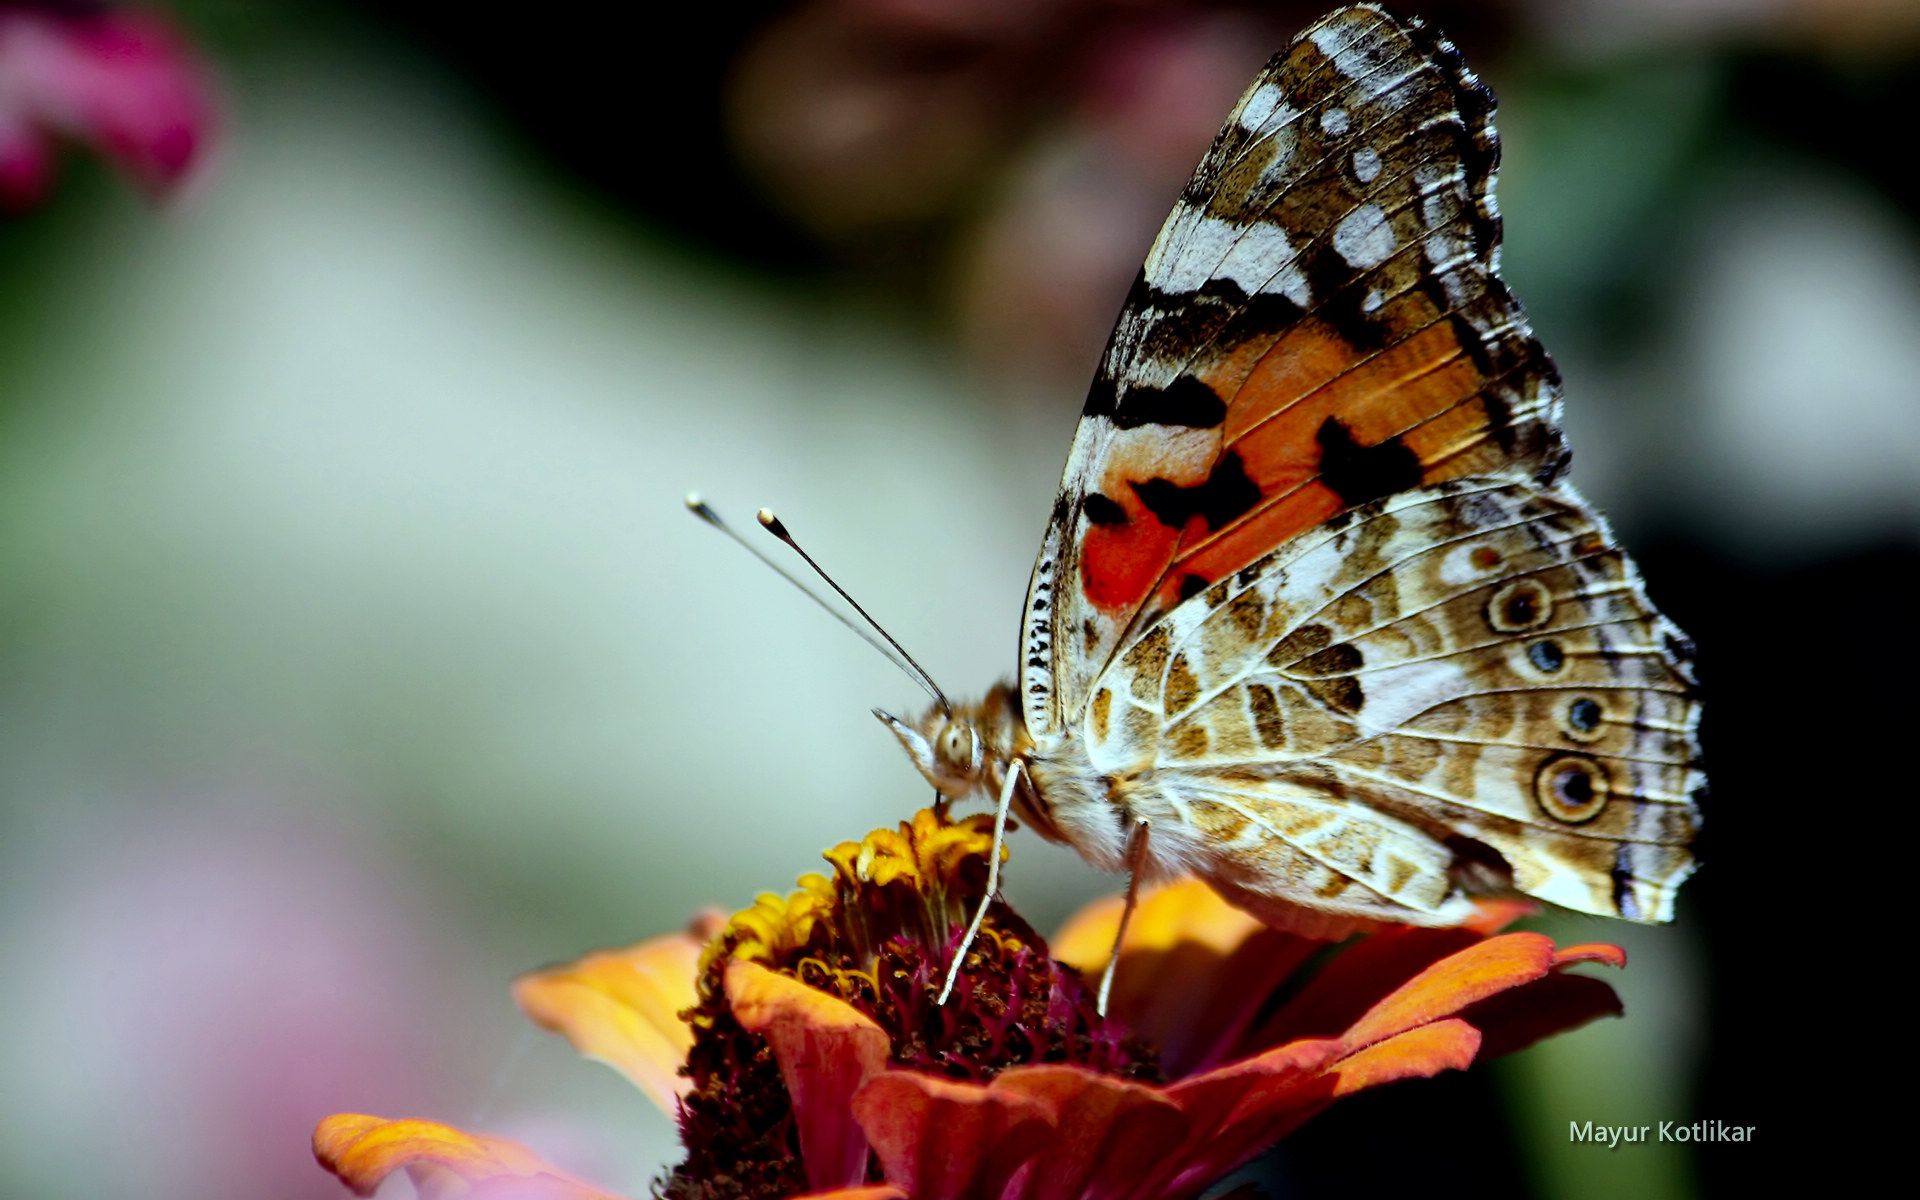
1312	597
1463	677
1318	324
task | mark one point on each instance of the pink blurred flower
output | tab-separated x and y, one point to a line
121	82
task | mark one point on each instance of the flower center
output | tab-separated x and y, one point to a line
878	933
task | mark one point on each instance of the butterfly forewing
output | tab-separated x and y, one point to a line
1318	325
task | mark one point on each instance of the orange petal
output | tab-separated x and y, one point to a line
1446	987
442	1161
826	1049
622	1007
1227	964
1599	952
1447	1045
1032	1134
1241	1109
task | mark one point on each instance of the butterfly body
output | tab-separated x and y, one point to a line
1315	606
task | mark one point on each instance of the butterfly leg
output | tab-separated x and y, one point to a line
1136	859
993	877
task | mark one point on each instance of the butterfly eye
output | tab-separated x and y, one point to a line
1571	788
957	746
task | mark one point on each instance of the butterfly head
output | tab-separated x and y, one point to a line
966	750
948	749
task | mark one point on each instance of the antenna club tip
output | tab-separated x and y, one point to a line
773	524
695	501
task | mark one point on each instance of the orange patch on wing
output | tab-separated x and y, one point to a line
1457	443
1400	388
1295	365
1119	564
1274	522
1423	389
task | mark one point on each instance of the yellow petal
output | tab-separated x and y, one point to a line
443	1162
1187	911
623	1008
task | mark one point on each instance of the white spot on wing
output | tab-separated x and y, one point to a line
1334	121
1197	247
1432	176
1353	49
1256	257
1364	238
1457	566
1265	102
1366	164
1443	248
1399	693
1188	250
1292	283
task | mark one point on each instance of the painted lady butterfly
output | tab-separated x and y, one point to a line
1315	617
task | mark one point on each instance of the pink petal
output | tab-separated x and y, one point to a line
122	82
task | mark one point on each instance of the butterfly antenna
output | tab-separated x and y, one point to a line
700	508
777	528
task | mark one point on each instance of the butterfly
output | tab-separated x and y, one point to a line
1316	616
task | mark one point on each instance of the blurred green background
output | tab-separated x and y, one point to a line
358	654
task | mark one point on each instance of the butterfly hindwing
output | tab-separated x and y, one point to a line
1319	324
1466	673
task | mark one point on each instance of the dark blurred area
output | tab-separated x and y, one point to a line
864	253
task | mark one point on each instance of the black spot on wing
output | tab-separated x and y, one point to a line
1341	693
1343	292
1178	326
1102	397
1185	402
1359	473
1225	494
1103	510
1191	585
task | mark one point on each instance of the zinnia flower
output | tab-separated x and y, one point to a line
118	81
802	1048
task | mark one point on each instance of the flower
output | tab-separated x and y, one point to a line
121	82
803	1051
